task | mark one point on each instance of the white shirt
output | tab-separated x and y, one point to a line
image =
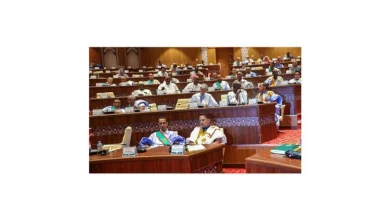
224	85
206	99
144	92
245	83
242	97
169	89
160	73
294	81
128	83
175	80
192	87
212	133
156	140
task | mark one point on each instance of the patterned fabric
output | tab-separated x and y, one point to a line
199	136
244	53
204	55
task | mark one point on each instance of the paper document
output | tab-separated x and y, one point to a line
195	147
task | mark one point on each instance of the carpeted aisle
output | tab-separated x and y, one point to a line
289	137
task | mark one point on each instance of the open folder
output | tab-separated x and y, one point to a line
125	141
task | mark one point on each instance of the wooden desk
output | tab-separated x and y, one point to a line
181	78
266	162
159	160
249	124
127	90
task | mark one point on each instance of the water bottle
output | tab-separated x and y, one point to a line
100	145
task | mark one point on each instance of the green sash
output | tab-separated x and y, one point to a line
219	85
162	138
150	81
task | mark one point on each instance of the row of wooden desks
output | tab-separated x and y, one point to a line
210	160
249	124
291	95
127	90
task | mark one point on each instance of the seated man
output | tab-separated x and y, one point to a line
109	82
162	137
212	76
151	80
196	73
268	71
234	73
248	71
187	67
295	67
238	95
162	72
237	62
278	64
115	107
289	56
139	104
93	65
121	74
124	82
142	91
269	96
248	60
173	79
220	84
194	86
297	78
244	83
173	67
207	132
168	87
202	98
275	79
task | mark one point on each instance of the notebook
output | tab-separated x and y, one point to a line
281	149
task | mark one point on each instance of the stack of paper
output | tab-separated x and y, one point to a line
191	148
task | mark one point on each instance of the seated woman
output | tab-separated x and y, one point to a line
207	132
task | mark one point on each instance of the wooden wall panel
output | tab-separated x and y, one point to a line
273	52
211	56
237	52
121	56
94	55
223	56
180	55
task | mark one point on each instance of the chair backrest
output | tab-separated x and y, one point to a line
182	104
282	112
224	97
